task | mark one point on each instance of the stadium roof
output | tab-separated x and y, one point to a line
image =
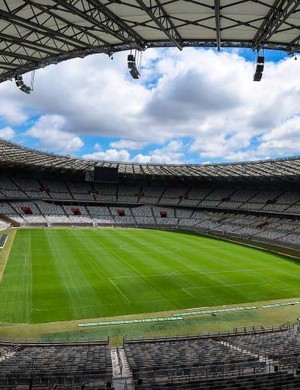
13	156
36	33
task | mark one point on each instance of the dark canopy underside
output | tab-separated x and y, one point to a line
36	33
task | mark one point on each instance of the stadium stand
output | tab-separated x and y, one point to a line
282	228
129	193
55	366
248	358
257	382
4	225
270	345
261	359
215	200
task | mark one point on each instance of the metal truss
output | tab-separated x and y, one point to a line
294	46
99	16
218	23
278	15
157	13
36	33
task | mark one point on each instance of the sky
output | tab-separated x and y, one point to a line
191	106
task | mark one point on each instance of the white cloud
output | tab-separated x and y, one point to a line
96	96
97	146
126	144
221	144
200	95
7	133
109	155
170	154
12	107
49	130
283	139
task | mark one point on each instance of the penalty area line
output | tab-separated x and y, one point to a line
119	290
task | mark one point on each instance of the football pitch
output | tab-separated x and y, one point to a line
72	274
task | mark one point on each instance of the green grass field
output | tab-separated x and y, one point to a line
57	274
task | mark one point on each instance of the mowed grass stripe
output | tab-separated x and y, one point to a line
49	291
134	262
65	274
81	276
160	259
100	261
172	284
15	287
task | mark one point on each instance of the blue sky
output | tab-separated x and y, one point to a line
194	106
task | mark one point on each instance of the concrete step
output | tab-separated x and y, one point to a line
122	375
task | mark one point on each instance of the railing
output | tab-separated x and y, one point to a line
244	331
217	370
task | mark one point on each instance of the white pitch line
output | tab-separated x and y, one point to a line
184	289
221	285
120	291
149	276
149	249
179	273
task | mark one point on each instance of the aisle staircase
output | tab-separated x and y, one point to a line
122	375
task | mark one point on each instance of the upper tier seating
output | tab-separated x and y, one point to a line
274	201
129	193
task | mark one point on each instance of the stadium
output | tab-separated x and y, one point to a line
138	275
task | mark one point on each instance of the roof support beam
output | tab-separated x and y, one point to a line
22	42
28	66
7	66
23	57
42	30
94	14
218	24
123	27
277	15
294	45
162	20
76	27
